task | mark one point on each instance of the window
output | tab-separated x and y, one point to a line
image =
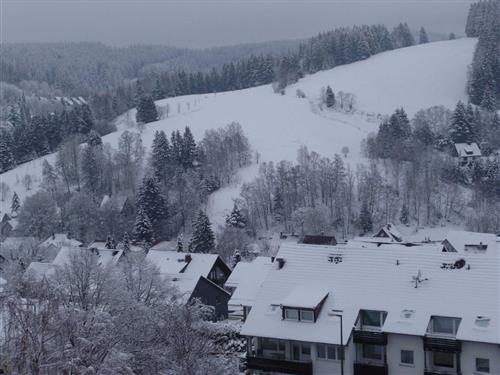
444	325
442	359
301	351
306	315
372	351
273	345
292	314
372	318
483	365
325	351
407	357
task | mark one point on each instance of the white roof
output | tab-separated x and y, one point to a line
61	239
171	263
467	149
461	240
40	269
247	278
365	274
306	296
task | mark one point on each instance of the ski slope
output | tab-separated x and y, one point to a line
277	125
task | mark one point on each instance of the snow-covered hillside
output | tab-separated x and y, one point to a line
276	125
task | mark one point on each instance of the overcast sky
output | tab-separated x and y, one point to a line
206	23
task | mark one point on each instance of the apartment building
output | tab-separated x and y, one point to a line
370	309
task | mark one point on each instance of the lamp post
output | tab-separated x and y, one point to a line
338	313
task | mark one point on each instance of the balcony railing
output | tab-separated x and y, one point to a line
441	372
370	337
437	344
279	365
370	369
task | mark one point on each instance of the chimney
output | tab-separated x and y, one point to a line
187	258
281	262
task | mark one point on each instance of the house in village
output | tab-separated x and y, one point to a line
120	202
368	309
470	242
244	284
195	275
466	153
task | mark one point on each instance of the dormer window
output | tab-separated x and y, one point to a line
303	304
443	325
291	314
307	315
372	319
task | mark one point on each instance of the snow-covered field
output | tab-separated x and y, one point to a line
276	125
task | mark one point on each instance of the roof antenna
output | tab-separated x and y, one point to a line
418	279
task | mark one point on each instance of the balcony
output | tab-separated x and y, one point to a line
370	369
279	365
437	344
370	337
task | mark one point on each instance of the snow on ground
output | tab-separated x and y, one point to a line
277	125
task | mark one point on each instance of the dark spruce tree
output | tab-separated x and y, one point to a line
188	149
152	203
160	156
461	128
15	205
6	156
146	110
203	240
236	219
423	38
143	230
330	97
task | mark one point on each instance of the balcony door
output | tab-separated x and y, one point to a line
301	351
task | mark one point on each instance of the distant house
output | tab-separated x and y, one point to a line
61	239
120	202
244	283
39	270
319	240
195	275
388	233
5	226
467	153
470	242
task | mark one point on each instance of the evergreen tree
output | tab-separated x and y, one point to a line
110	243
461	129
405	215
365	218
180	243
126	242
94	139
15	205
91	168
330	97
158	92
6	155
278	206
188	149
153	204
160	156
146	110
423	36
143	229
203	240
236	219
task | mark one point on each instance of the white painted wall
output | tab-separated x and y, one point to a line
396	343
473	350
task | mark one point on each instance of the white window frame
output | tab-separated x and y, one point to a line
289	309
308	312
482	371
372	327
412	357
327	357
455	324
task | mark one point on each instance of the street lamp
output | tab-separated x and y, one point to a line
338	313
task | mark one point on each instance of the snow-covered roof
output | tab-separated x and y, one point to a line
165	245
61	239
388	233
305	296
106	256
116	200
183	270
362	276
40	269
247	278
463	241
467	149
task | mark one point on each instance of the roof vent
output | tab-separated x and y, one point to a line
281	262
482	321
407	314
